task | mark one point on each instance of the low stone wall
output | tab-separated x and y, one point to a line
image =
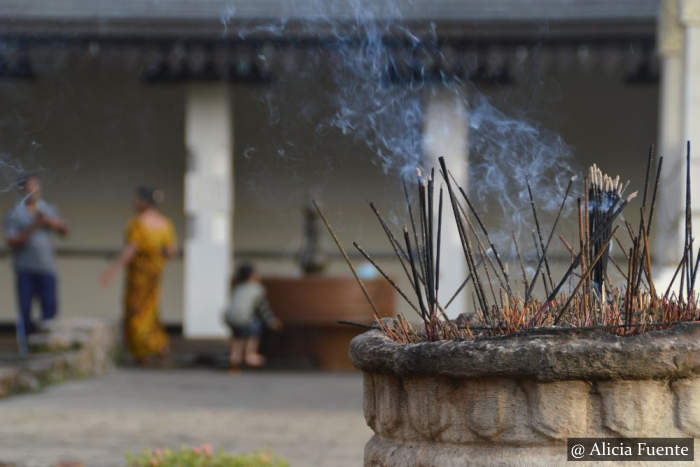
515	401
70	348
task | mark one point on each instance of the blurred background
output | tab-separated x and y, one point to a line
243	111
100	99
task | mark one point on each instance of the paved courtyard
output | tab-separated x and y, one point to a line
311	419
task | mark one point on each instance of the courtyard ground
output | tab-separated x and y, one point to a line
311	418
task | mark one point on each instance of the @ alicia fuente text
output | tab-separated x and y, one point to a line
630	449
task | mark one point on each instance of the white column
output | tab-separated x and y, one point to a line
209	208
445	133
690	18
669	214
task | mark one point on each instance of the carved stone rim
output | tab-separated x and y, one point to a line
547	355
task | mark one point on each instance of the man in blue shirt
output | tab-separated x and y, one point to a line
28	230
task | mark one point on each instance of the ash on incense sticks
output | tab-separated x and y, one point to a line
583	297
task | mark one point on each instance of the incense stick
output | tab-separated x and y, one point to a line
349	263
386	276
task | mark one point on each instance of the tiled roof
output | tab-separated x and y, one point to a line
314	9
124	16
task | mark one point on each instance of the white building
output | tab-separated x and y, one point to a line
226	106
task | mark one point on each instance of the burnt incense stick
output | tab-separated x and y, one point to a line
395	245
431	242
683	271
624	276
437	254
644	205
349	263
430	224
653	198
459	289
622	247
628	288
477	280
482	254
528	289
628	226
695	269
409	208
476	236
540	257
582	239
522	265
539	233
568	247
415	284
586	241
688	247
650	157
385	275
423	230
573	294
647	259
481	226
357	325
464	240
398	249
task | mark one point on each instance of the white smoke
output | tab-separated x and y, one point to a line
368	41
11	170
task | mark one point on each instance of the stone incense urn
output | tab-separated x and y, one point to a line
515	400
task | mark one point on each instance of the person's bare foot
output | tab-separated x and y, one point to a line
234	363
164	361
164	352
254	360
140	362
235	360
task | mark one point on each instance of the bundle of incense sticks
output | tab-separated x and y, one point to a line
587	299
604	197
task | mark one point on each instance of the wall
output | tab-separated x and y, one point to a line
598	115
95	132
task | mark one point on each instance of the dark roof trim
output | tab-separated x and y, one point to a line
306	32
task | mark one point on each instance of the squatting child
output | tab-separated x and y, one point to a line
247	312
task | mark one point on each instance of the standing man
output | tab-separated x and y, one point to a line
28	229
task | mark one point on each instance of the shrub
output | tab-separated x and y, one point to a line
203	456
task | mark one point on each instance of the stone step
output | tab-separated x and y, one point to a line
70	348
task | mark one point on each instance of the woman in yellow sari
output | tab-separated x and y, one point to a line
150	241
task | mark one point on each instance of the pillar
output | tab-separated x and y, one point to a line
670	138
689	15
690	19
445	133
208	207
679	121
